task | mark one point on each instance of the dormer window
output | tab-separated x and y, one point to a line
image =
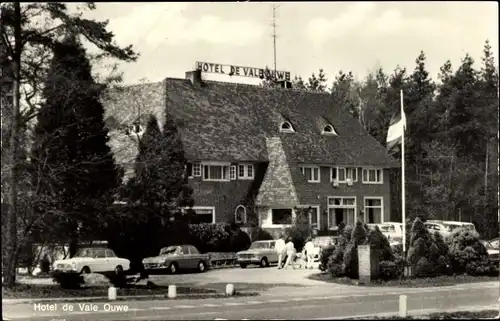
137	129
328	130
286	127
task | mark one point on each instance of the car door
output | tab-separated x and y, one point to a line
99	261
273	255
111	260
184	257
194	256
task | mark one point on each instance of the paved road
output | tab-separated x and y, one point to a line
334	305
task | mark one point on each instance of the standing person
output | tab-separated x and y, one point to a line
309	253
290	252
279	247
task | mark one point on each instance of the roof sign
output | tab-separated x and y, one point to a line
241	71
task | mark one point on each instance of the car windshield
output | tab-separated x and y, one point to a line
260	245
168	250
84	253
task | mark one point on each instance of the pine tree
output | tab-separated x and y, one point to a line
464	128
298	83
345	93
317	83
71	160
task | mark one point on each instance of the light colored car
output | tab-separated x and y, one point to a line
446	228
173	258
260	253
93	259
493	252
495	243
392	230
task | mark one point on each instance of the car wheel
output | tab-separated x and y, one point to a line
243	265
264	263
86	270
172	268
119	270
201	266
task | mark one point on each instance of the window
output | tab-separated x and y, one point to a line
372	176
137	129
341	174
232	172
286	127
240	214
193	250
99	254
374	210
341	209
189	170
205	214
311	173
328	130
197	170
216	172
281	216
110	253
245	171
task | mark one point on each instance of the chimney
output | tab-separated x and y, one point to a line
285	84
194	76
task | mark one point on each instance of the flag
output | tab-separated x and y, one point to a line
396	130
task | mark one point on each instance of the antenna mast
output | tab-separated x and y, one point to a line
274	36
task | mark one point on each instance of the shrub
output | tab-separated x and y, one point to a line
468	255
261	235
394	269
210	237
325	256
68	280
380	245
239	241
335	264
428	253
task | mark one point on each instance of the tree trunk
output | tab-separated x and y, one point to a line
12	156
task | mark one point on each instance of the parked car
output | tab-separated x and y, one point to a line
392	230
495	243
493	253
446	228
92	259
260	253
174	258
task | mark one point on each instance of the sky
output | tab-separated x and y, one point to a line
347	36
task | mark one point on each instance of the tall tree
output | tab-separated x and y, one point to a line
298	83
317	83
28	46
346	92
464	128
72	163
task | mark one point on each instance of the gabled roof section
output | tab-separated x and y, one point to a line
277	187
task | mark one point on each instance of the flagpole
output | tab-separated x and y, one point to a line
403	207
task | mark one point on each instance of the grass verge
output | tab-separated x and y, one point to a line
34	291
488	314
409	283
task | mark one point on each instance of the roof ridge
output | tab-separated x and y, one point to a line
254	86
